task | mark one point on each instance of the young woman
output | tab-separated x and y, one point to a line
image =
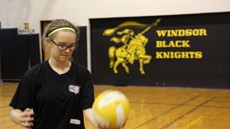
55	94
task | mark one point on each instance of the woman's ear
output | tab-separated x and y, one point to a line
47	40
46	43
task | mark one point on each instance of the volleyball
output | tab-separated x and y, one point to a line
111	109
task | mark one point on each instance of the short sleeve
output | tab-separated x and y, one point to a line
23	97
87	95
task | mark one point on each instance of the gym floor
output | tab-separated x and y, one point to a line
155	107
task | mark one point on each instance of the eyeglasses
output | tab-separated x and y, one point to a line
64	47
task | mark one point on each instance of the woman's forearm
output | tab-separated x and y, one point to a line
89	115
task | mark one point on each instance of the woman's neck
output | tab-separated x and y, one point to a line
59	67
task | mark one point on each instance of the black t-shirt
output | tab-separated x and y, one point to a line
58	101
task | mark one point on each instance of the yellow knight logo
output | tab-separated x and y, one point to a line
133	46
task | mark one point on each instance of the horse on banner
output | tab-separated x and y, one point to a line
133	48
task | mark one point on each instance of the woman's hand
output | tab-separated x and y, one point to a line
26	119
23	118
102	127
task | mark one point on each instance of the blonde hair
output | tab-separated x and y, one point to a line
58	25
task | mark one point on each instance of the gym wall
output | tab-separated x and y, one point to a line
18	53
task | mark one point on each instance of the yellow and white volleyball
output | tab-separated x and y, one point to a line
111	109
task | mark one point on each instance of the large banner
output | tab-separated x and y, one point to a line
178	50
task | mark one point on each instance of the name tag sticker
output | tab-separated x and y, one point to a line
75	121
74	88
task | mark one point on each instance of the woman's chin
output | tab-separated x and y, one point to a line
64	58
